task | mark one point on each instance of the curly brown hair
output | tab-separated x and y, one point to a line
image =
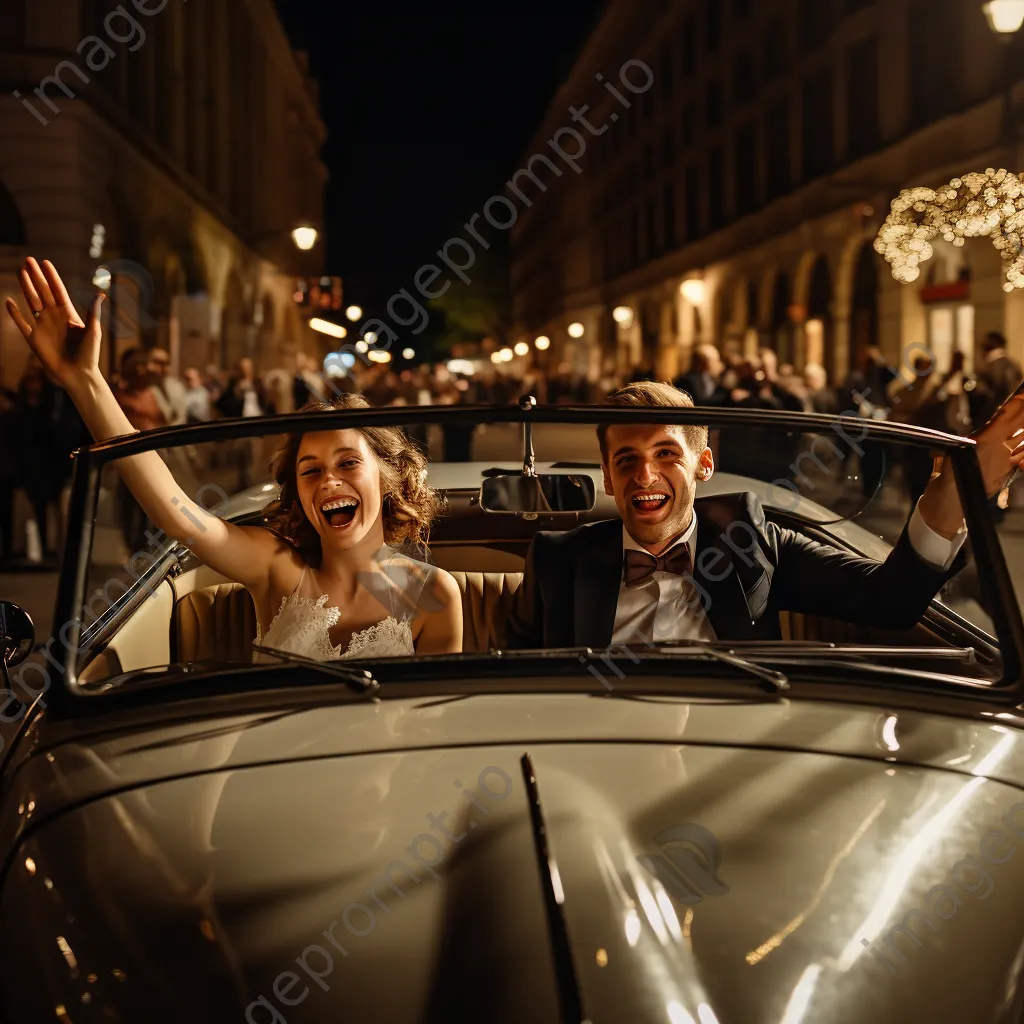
409	505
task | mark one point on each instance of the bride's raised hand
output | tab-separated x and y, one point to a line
68	348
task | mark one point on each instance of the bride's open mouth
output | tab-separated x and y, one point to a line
339	512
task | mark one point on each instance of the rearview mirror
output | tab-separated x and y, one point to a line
17	634
544	493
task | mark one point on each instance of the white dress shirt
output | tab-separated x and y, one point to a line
669	607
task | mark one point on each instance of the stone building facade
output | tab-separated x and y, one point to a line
169	147
754	147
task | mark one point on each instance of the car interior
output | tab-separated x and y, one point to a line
195	614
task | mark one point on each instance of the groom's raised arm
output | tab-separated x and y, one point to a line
821	580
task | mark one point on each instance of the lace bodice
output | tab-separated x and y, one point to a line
304	620
303	624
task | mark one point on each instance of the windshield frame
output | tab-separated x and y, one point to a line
993	572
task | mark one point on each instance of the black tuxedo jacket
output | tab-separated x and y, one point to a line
746	571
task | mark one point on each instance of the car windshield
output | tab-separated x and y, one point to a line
797	532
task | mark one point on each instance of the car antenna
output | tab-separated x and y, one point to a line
527	403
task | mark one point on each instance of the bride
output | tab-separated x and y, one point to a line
325	576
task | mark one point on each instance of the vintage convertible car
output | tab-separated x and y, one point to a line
821	828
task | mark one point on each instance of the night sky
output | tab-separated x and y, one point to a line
428	115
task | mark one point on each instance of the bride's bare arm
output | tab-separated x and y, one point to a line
441	632
69	351
239	552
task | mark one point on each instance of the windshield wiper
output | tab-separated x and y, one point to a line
803	656
777	681
358	678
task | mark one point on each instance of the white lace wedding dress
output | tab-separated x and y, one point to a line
304	621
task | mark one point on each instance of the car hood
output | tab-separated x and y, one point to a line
697	879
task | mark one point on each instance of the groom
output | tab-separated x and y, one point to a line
679	569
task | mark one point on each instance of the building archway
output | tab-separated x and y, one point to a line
781	338
122	239
129	322
753	305
266	353
819	329
734	316
650	332
234	330
193	264
863	306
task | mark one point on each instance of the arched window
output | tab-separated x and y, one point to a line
864	311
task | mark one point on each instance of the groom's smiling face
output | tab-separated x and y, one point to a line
652	474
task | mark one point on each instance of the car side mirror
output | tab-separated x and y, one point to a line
544	493
17	634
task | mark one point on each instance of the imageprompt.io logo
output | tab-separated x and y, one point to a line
688	865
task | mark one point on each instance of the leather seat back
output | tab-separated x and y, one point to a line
486	603
216	622
219	621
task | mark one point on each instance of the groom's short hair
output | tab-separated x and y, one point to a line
657	395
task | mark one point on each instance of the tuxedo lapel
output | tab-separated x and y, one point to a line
733	583
597	576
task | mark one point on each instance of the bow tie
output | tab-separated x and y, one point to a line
639	567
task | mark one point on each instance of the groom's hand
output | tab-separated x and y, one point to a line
1001	443
1000	450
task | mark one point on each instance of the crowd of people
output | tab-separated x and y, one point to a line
919	394
954	401
40	427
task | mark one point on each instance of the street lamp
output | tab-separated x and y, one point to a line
354	312
622	315
521	348
693	291
326	327
304	237
542	342
576	330
1005	17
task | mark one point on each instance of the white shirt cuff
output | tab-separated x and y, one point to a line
931	547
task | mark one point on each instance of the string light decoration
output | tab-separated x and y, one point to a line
974	206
